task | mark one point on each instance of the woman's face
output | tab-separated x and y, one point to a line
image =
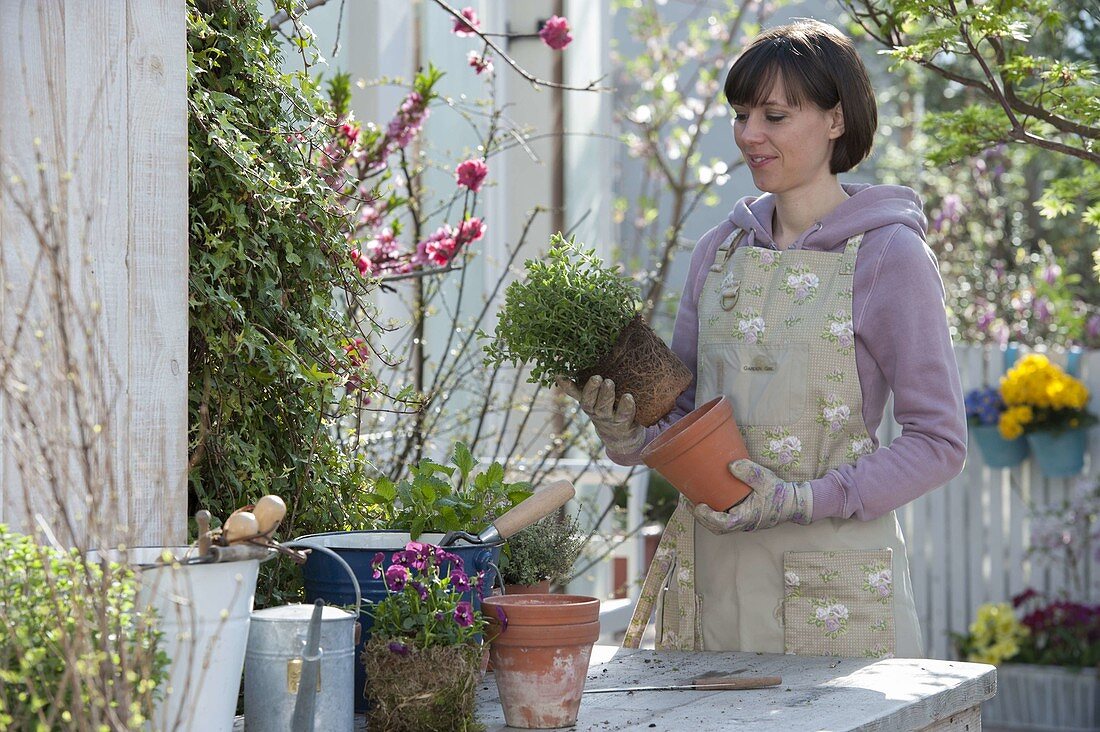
787	148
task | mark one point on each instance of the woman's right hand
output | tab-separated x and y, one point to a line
614	423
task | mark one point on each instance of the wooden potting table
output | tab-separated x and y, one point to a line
817	693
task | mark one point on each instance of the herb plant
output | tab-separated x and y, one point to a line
543	551
67	617
565	315
444	497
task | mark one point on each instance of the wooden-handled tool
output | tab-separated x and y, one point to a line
538	505
703	683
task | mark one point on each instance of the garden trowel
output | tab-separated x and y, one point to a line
538	505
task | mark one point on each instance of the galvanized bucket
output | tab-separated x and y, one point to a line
274	659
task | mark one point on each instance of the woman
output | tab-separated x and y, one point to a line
807	307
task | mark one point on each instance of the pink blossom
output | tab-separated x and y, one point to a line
380	254
362	262
437	249
555	33
369	216
480	63
471	173
1052	273
467	24
470	230
350	131
410	117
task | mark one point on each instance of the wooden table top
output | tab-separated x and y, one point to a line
817	693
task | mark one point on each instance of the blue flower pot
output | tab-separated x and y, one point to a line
996	450
1059	454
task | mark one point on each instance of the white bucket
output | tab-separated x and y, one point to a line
204	612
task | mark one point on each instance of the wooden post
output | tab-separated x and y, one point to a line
93	159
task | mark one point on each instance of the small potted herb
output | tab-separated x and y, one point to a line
573	316
541	555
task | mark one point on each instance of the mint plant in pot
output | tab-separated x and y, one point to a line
573	316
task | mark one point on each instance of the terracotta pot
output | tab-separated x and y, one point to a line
542	588
694	455
540	648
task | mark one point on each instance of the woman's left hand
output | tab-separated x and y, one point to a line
772	501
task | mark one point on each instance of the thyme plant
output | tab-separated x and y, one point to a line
565	315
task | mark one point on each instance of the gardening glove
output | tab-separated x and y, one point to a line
614	423
772	501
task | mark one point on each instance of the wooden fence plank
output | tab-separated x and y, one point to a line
96	93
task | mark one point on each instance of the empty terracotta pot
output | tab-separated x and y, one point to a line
540	646
694	455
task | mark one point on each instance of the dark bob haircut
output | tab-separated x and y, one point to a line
818	62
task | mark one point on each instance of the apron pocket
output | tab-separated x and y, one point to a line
839	603
766	384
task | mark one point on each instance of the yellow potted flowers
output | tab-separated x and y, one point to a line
1047	405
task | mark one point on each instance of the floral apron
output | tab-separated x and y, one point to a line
775	337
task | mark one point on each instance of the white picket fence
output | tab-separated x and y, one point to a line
968	541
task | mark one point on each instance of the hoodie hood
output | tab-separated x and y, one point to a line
868	207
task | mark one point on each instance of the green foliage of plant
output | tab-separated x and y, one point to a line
75	651
543	551
1010	59
440	498
565	315
266	251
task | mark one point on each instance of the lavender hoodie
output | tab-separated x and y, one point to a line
902	346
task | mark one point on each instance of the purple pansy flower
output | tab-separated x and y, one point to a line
460	581
399	648
464	614
396	577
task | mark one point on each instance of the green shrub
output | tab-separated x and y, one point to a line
267	244
565	315
75	650
544	551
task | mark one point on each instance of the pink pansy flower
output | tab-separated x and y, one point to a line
467	24
471	173
480	63
555	33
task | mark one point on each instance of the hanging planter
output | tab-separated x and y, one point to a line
996	451
1059	454
540	648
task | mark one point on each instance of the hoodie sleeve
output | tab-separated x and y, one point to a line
902	324
685	336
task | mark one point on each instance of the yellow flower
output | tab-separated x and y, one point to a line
1012	421
995	634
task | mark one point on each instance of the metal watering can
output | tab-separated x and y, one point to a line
299	665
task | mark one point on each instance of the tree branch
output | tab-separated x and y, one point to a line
299	10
